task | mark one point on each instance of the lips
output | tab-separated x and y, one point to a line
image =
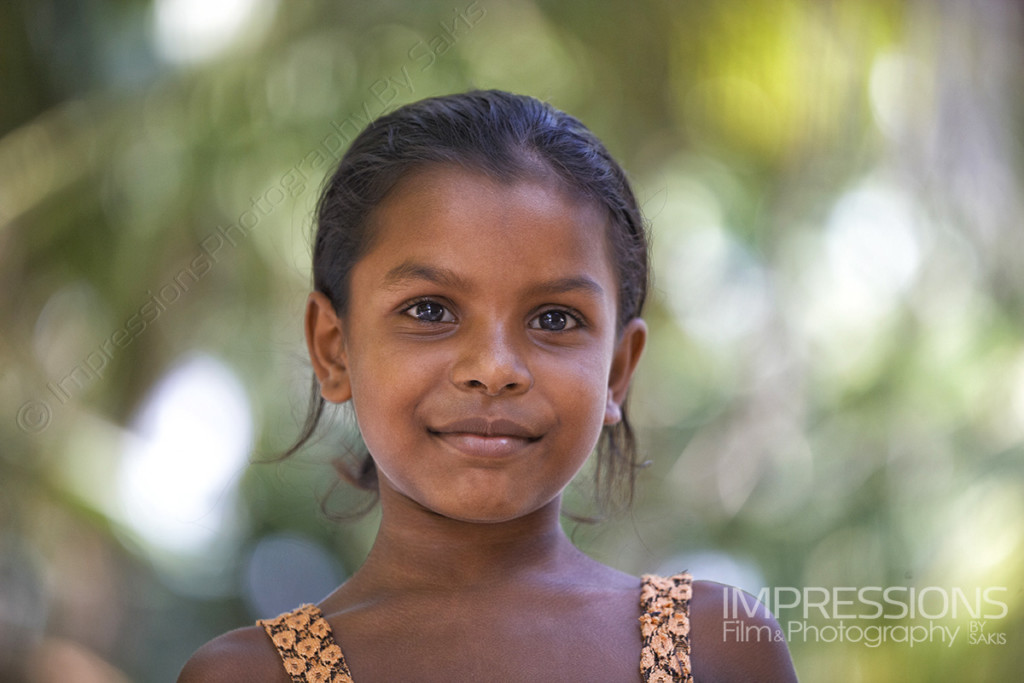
480	436
482	426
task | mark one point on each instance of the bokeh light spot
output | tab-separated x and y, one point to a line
189	442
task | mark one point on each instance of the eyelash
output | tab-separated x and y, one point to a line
409	306
572	314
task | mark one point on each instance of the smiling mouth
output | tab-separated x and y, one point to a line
488	438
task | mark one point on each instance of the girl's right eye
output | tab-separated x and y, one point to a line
430	312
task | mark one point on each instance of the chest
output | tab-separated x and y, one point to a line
582	637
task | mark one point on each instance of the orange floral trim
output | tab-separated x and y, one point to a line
303	639
665	628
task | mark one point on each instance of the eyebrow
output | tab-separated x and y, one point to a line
444	277
564	285
410	271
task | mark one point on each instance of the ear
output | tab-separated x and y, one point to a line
627	353
325	339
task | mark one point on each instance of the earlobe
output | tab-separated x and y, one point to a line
612	410
624	361
325	340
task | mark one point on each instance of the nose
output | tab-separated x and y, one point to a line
491	361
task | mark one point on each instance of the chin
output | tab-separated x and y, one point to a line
475	512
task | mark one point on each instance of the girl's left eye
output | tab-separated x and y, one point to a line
554	321
430	312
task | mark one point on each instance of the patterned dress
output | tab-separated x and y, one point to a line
310	654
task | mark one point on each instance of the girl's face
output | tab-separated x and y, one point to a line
479	347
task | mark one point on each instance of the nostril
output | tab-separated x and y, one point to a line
491	373
486	388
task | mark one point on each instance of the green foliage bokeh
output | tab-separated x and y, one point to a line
833	393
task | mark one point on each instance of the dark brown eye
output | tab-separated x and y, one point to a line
553	321
429	312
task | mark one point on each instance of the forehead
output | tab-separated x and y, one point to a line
489	227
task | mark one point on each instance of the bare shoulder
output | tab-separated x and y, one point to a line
243	655
734	637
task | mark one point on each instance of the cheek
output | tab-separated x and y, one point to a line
580	388
387	387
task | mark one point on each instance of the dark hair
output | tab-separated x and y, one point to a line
507	137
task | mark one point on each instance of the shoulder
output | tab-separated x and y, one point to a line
734	637
245	654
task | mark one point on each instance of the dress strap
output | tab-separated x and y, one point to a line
665	627
307	647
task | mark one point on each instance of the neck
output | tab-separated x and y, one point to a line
419	549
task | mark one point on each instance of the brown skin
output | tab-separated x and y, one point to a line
493	302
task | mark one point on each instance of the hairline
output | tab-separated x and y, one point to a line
534	168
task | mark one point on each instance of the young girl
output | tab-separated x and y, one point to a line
480	266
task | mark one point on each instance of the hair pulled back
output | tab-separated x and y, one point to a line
508	138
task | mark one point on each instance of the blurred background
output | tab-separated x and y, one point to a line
834	391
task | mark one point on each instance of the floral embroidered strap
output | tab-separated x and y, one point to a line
303	639
665	627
